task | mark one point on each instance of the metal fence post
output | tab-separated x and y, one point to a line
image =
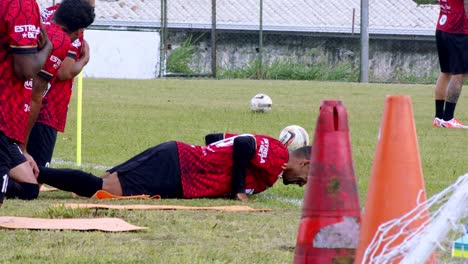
364	69
213	38
162	31
260	44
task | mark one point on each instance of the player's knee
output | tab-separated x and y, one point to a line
23	173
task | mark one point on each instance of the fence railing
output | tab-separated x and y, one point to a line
283	39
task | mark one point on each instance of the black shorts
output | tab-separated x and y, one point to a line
41	144
10	154
155	171
453	52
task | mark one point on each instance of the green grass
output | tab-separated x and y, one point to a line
123	117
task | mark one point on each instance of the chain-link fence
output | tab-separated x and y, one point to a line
282	39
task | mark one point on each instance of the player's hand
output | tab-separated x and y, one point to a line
85	51
43	40
285	165
32	163
242	197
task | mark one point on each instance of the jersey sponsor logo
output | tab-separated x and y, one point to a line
56	61
29	31
443	20
76	43
28	84
263	150
45	14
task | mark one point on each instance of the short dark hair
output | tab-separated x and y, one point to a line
303	152
74	14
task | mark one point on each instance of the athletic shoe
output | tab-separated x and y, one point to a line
453	123
437	122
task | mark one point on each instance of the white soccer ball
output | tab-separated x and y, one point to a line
294	137
260	103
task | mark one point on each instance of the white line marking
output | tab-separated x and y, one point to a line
84	165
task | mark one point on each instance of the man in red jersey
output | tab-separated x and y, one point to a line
54	108
234	166
71	18
53	114
452	47
24	48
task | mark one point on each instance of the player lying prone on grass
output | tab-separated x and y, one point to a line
229	165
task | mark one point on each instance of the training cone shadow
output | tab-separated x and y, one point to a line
329	227
396	183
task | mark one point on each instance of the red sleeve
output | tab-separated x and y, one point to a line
47	14
23	26
61	45
75	48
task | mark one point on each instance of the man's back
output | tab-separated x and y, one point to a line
206	171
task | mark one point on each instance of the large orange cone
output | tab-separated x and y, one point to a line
329	228
396	182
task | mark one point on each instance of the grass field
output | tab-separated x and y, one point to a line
124	117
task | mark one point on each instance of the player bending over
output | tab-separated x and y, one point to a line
235	166
53	113
71	18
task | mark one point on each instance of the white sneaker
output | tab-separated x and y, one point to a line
453	123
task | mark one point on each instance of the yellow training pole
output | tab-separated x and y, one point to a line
78	118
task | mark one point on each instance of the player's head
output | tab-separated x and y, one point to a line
297	169
74	16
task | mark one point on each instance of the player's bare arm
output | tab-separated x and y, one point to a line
70	67
39	87
26	66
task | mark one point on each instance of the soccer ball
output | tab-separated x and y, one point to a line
294	137
260	103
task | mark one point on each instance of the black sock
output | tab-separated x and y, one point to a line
449	110
82	183
22	190
439	108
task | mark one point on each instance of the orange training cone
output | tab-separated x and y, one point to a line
396	181
329	228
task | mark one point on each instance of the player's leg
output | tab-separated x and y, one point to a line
440	92
70	180
41	144
22	173
5	162
457	56
444	77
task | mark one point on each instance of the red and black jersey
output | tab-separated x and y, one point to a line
206	171
55	103
452	17
52	111
19	32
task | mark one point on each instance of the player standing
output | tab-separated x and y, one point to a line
452	47
233	167
53	114
24	48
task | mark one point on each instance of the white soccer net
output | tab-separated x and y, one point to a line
440	221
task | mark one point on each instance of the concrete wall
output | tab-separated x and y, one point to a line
122	54
391	60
